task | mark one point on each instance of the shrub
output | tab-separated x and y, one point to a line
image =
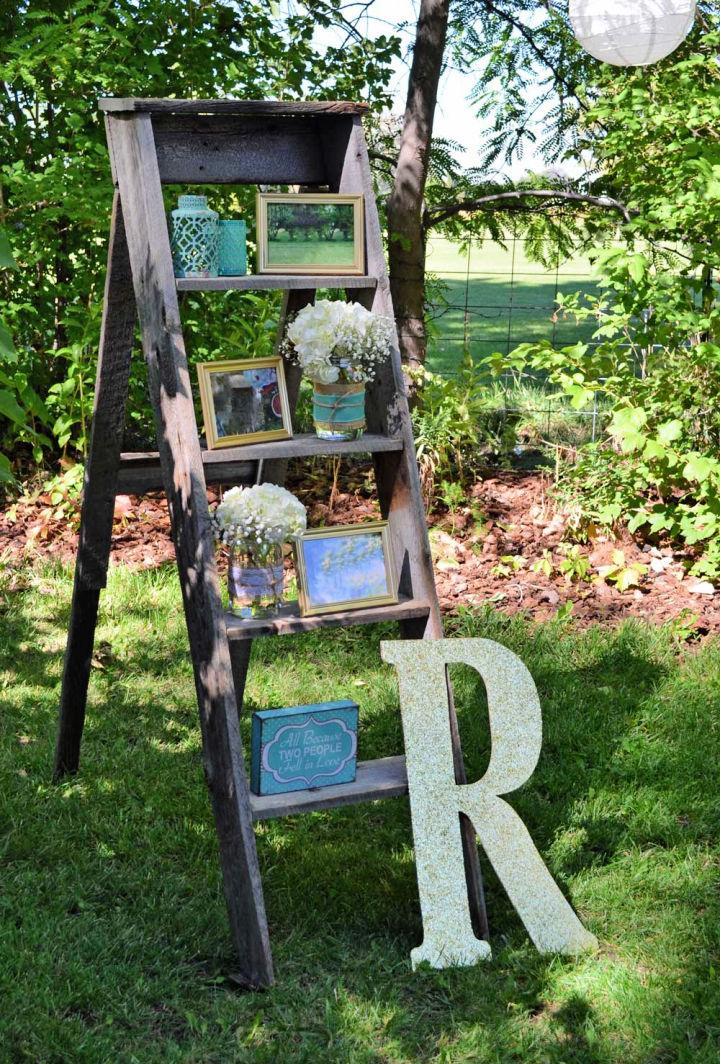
456	426
656	357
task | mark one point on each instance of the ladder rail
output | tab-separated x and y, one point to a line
133	149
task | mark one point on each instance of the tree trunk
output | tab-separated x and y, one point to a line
405	206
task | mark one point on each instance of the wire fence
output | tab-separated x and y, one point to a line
488	299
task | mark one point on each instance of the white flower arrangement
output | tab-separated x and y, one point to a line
258	519
337	341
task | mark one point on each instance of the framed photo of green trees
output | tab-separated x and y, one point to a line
318	233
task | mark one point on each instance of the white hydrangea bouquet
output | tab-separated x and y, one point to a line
336	341
258	519
340	347
254	523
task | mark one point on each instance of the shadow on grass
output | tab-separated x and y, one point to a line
113	938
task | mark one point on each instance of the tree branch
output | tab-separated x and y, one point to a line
379	156
534	47
552	196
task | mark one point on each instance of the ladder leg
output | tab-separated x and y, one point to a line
98	495
240	650
76	677
133	149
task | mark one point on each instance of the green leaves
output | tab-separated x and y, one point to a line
699	468
7	261
9	408
7	347
670	431
637	268
57	59
627	425
621	573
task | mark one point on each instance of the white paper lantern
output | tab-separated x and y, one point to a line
631	32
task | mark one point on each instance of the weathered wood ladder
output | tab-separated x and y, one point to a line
321	145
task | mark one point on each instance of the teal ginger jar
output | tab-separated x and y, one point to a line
233	248
194	238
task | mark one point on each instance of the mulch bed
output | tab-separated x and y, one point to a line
511	516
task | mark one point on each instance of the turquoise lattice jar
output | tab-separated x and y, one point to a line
194	238
339	410
233	248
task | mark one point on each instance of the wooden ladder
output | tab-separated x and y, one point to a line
321	145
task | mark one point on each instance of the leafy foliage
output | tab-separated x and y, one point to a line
656	348
621	573
455	427
56	58
527	63
657	470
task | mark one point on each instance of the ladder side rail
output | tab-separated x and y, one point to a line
133	149
398	483
99	490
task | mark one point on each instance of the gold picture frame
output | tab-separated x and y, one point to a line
333	590
332	255
253	401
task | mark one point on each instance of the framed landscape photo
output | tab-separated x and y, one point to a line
318	233
244	401
345	568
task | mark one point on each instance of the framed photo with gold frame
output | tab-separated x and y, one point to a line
314	233
244	401
345	568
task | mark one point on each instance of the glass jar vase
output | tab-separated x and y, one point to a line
339	410
255	586
232	261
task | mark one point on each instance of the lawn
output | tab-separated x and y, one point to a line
114	945
509	300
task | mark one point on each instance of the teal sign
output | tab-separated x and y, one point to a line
302	747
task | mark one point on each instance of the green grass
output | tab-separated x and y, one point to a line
113	936
510	301
542	417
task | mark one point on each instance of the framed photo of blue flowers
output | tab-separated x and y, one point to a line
345	568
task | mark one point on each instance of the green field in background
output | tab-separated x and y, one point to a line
510	300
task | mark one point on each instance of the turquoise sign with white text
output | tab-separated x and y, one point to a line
303	747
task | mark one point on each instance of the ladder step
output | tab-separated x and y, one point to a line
383	778
305	445
261	282
289	621
140	470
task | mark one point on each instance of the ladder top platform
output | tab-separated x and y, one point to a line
267	108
